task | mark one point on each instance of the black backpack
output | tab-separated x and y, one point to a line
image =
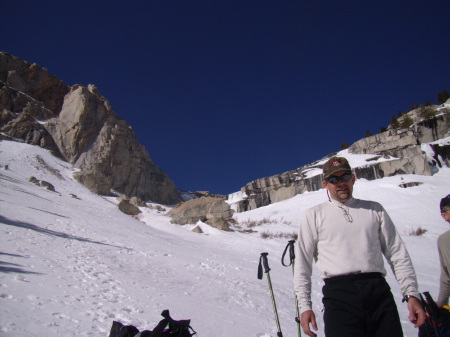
437	323
167	327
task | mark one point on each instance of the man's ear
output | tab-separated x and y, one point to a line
445	216
324	183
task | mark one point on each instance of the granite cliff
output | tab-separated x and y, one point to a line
401	146
79	125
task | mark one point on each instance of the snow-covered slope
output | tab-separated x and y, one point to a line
70	266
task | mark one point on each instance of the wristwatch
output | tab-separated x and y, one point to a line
407	297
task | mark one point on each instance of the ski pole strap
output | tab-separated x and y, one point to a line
263	259
290	245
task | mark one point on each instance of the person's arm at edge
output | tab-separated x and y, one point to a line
302	273
398	257
444	258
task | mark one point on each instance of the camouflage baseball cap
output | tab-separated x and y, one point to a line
335	164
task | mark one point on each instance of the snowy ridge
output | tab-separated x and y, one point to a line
69	267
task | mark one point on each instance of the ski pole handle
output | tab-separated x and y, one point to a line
291	248
263	261
290	245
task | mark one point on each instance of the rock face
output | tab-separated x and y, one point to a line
93	138
34	81
400	146
203	209
79	125
28	94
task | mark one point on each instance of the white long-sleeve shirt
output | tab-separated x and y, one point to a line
444	258
347	239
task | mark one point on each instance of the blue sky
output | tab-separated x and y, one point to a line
225	92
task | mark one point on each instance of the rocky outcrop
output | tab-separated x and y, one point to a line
441	155
405	144
19	119
126	207
104	147
396	140
34	81
397	151
42	183
264	191
79	125
202	209
433	129
137	202
219	223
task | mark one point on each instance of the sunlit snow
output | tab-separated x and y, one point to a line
71	262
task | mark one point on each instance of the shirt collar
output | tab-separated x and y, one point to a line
347	203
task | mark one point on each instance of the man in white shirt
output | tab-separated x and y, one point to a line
444	255
347	238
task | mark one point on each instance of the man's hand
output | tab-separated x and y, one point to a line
416	312
306	318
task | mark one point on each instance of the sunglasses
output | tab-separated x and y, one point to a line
336	179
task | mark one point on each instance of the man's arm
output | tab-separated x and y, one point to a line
444	258
397	255
303	264
306	246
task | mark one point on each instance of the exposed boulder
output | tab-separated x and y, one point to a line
159	208
47	185
197	229
203	209
42	183
33	180
122	197
137	202
219	223
127	208
411	184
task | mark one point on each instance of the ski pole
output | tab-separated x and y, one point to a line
263	257
290	245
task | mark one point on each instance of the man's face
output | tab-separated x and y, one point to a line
446	214
341	190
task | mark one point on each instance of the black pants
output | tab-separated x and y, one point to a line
360	305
